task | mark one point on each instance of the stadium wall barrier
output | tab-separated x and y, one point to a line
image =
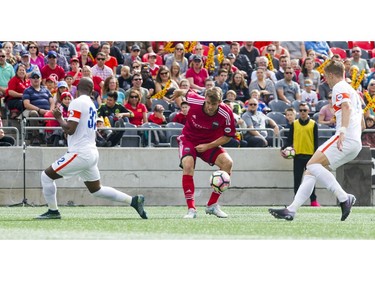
261	177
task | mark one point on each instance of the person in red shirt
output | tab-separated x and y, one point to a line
181	116
209	125
157	116
139	109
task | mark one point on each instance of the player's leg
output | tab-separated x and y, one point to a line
221	159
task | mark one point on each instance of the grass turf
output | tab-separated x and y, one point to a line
166	223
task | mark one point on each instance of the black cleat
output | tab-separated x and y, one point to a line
282	214
346	206
49	215
138	203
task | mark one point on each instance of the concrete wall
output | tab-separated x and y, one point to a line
260	177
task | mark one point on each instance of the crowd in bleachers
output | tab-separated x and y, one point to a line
134	81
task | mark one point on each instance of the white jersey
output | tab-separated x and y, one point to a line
83	111
343	92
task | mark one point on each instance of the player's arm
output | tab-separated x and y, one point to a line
345	113
69	127
206	146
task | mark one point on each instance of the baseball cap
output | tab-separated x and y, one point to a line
135	48
35	73
196	57
66	94
62	84
152	54
52	53
100	119
74	59
51	78
25	53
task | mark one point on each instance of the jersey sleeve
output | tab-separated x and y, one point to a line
74	111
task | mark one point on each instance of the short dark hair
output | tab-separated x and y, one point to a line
113	95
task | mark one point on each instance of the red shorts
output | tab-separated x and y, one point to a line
186	148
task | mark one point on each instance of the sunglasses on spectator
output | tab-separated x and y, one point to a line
133	97
163	73
179	49
355	51
372	84
271	50
225	64
288	72
32	47
303	110
253	104
51	57
2	56
330	97
137	79
100	58
136	66
53	47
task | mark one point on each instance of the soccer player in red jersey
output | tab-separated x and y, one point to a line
209	125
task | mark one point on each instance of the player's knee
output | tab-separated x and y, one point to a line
44	178
313	169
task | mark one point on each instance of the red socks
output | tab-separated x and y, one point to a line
189	188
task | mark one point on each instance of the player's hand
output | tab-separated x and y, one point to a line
340	141
57	113
177	93
201	148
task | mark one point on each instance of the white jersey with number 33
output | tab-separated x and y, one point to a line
83	111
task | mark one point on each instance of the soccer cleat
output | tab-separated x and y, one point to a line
138	203
315	204
49	215
191	214
346	206
214	209
282	214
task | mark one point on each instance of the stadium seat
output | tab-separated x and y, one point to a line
339	44
130	141
339	51
173	133
162	102
315	117
278	117
320	104
278	105
158	138
171	116
324	133
366	45
296	103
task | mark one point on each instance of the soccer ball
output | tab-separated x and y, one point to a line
220	181
288	152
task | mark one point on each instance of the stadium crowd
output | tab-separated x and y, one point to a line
134	82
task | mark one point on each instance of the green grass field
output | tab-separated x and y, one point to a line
166	223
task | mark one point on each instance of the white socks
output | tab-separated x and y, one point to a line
112	194
49	191
325	178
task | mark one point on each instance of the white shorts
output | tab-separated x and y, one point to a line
337	158
84	165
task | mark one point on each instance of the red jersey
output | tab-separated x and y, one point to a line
58	72
138	113
18	85
180	118
202	128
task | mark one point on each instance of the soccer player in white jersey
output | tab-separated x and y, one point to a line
341	148
82	156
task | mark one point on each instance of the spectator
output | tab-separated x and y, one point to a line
62	87
110	61
327	114
227	65
262	106
290	115
324	91
284	61
133	56
296	49
71	88
6	73
162	78
303	137
111	85
125	78
136	67
114	110
248	49
138	109
198	50
179	57
316	61
321	49
52	68
271	50
265	86
181	116
258	120
51	85
220	80
6	140
85	57
288	90
308	72
238	84
208	84
25	60
280	50
368	138
147	81
308	95
236	105
144	47
197	74
37	101
358	61
294	63
176	72
16	86
76	71
108	138
263	63
67	49
242	62
154	68
115	52
95	48
9	57
157	116
137	81
100	69
61	61
36	57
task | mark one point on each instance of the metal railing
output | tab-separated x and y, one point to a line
13	129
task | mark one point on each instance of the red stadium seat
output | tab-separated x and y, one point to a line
372	53
260	44
339	51
366	45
